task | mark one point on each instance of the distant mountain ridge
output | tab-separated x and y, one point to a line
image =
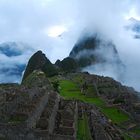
98	55
68	64
93	50
134	26
89	51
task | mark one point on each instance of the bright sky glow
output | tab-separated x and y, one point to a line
55	31
132	14
45	2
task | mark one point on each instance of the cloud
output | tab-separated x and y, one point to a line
28	20
13	59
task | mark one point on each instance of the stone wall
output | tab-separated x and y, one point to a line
53	115
31	122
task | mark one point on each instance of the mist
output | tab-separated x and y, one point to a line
30	22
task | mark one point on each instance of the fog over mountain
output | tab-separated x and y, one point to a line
96	55
13	59
54	26
134	25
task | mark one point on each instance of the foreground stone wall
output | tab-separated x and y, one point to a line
31	122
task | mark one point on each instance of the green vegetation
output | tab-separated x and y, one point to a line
91	91
54	78
32	79
2	138
69	90
116	115
68	64
39	61
118	100
78	78
56	85
126	137
28	81
24	95
136	130
83	129
17	119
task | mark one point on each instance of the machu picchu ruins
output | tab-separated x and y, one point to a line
69	69
34	110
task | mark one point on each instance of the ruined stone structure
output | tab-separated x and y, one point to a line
101	128
115	94
34	111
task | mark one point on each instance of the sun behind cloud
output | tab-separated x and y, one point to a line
55	31
132	14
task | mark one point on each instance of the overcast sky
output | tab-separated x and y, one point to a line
55	25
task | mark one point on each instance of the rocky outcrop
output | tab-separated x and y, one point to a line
39	62
68	64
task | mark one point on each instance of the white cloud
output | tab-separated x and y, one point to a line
27	20
55	31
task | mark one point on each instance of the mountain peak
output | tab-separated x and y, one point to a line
93	50
39	61
95	54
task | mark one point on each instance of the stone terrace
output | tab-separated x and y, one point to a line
45	125
65	124
101	127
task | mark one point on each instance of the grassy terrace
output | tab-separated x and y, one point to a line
126	137
136	130
83	129
70	90
116	115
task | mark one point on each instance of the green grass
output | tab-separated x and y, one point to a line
136	130
126	137
116	115
78	79
24	94
83	129
68	85
17	119
91	91
70	90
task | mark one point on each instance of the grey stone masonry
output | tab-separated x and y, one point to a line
31	122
